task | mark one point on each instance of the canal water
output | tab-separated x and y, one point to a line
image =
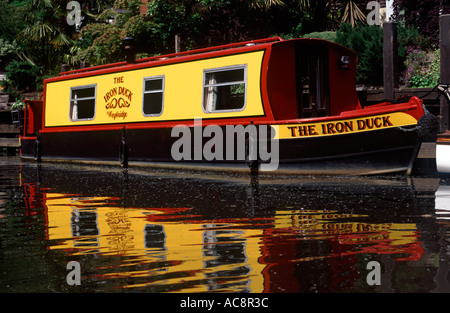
73	228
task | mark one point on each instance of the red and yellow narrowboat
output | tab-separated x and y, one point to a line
302	90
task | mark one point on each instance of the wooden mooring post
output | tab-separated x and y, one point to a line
444	30
390	59
443	138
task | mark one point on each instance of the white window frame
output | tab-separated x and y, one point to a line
73	108
144	92
223	69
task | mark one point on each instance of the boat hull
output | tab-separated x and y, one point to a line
374	152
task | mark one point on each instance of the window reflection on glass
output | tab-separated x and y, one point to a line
224	89
82	103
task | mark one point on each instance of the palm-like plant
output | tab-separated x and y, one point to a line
265	4
47	34
349	9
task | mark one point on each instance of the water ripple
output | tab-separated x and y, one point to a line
218	236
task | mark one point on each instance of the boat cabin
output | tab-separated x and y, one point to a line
265	80
311	78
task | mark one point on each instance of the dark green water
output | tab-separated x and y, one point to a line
141	231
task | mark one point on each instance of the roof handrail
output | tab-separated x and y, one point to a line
92	68
211	49
178	54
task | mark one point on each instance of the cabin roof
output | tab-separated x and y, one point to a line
244	44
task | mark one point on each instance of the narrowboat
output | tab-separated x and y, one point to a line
288	106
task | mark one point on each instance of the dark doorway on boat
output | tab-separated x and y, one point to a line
313	95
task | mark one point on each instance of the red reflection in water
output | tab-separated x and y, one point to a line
288	251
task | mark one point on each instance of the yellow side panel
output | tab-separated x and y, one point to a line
182	92
343	126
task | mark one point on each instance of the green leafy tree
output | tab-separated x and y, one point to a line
198	22
367	42
424	16
202	23
20	77
11	19
101	42
8	52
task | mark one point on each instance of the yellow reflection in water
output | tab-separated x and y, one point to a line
200	255
88	225
384	238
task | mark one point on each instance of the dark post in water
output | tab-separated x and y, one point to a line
390	59
444	29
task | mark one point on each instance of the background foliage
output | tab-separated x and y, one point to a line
36	31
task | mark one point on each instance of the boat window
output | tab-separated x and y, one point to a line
153	97
82	102
224	89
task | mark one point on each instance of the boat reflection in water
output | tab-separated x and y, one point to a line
156	233
443	202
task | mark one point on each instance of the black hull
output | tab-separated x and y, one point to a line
376	152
